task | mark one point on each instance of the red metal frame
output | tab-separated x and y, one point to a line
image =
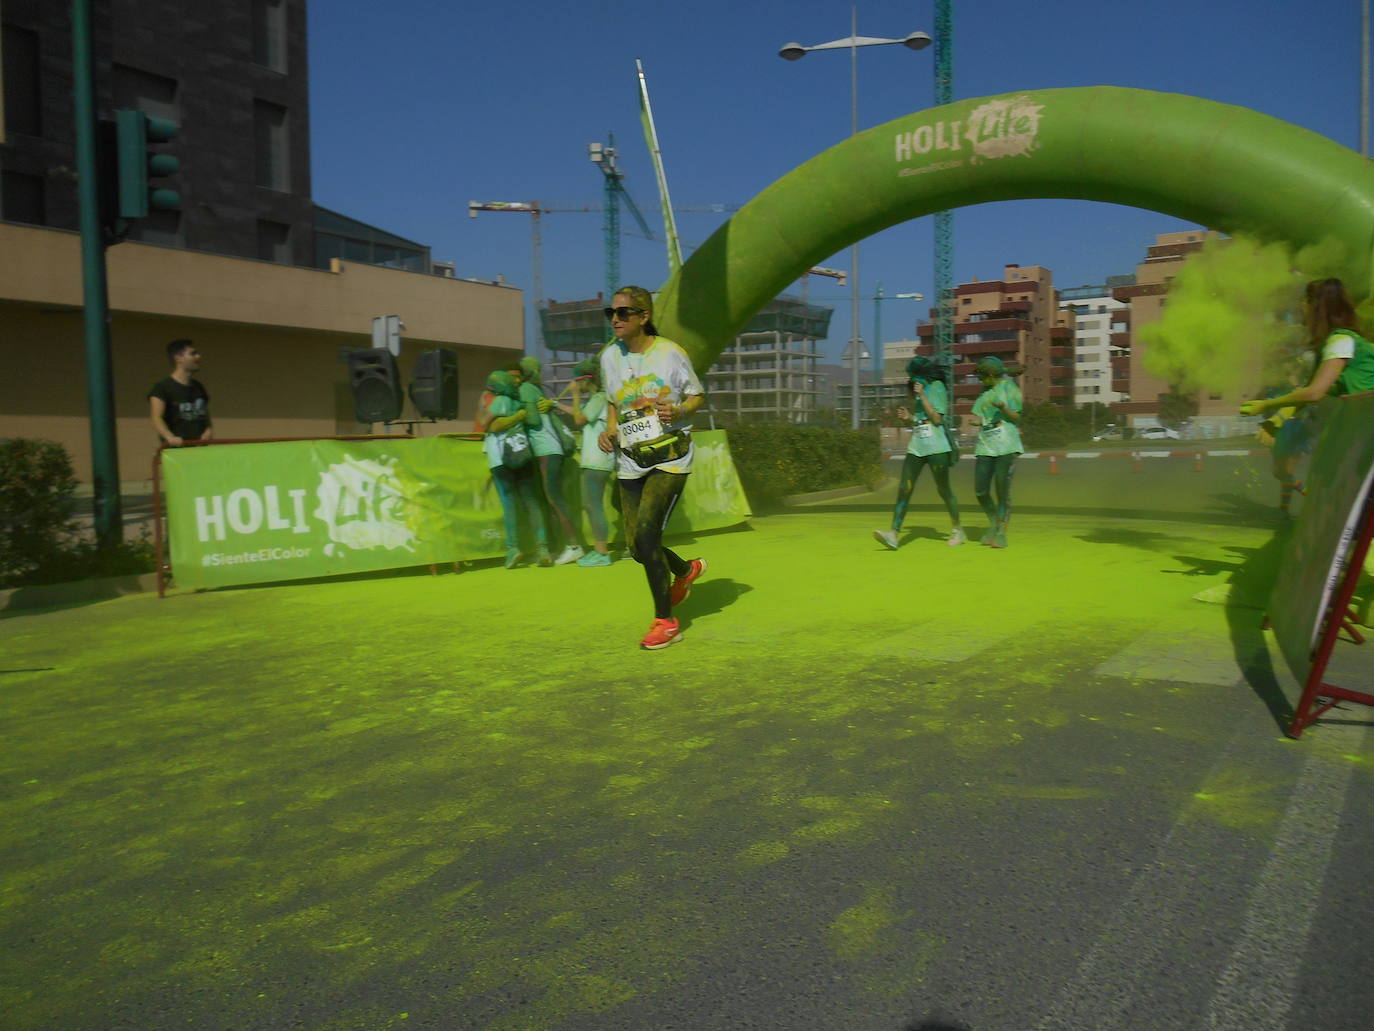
1309	710
159	536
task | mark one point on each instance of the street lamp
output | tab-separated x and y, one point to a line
878	299
794	52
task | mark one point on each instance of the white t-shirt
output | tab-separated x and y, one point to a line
590	455
927	438
634	382
1339	345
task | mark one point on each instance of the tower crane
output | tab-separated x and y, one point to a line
537	209
604	158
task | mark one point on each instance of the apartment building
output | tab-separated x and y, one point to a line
1101	326
1015	318
1216	411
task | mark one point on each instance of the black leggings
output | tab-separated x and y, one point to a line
987	473
646	504
911	472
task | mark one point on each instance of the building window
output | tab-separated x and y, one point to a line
271	144
148	92
274	241
269	34
21	198
19	57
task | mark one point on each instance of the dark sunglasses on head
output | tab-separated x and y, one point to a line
622	313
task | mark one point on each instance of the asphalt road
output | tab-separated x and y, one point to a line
1044	788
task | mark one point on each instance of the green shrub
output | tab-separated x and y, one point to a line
775	460
1046	426
39	541
36	488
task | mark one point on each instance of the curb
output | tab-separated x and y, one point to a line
47	595
793	500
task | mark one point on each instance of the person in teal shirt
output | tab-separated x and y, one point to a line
547	446
1345	359
929	447
515	487
998	409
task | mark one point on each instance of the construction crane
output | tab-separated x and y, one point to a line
604	158
536	211
944	221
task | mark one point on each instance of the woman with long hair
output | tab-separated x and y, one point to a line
929	446
514	484
1345	359
998	409
653	391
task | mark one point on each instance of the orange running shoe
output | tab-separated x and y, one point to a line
682	585
663	633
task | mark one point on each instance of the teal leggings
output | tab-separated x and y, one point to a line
994	472
911	472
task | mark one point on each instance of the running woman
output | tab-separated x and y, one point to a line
1345	359
999	445
653	391
929	447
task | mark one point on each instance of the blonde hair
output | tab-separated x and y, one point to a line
642	300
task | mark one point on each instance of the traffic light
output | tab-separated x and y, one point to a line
137	166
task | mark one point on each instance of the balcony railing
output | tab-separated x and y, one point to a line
987	347
1058	351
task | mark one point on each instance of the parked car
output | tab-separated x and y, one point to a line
1157	433
1110	433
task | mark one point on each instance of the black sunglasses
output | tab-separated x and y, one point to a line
622	313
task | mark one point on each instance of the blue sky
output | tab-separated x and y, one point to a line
419	106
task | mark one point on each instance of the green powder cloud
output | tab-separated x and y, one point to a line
1232	317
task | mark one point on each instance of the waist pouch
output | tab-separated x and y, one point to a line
667	448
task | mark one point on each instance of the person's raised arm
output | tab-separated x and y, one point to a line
1317	388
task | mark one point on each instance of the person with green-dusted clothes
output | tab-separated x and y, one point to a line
515	487
589	411
929	446
547	445
1345	359
998	410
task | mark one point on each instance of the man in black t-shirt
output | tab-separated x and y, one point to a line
180	405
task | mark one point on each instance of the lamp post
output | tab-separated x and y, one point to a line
878	299
794	52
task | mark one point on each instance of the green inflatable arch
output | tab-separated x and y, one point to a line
1218	165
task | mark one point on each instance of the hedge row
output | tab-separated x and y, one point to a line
39	539
775	460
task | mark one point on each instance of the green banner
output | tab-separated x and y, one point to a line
254	513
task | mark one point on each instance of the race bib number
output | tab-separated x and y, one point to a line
924	430
995	434
638	428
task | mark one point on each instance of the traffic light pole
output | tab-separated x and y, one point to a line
109	516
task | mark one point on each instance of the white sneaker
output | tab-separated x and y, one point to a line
956	537
887	538
569	554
